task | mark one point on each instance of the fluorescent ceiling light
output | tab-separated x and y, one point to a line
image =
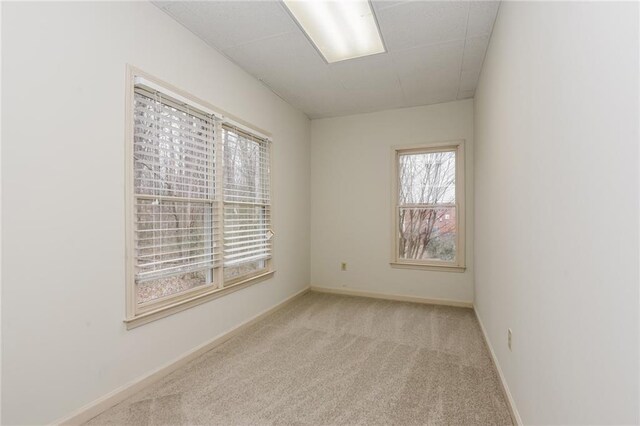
340	29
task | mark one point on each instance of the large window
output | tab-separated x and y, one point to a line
428	198
199	212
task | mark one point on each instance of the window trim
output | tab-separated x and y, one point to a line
137	315
459	265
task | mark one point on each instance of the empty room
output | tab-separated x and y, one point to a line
320	212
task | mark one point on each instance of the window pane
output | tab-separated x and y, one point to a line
173	153
247	214
427	178
174	218
152	290
247	236
246	169
231	273
427	234
174	240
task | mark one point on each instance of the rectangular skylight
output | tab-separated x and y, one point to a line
342	29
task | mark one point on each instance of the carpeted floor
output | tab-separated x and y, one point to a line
328	360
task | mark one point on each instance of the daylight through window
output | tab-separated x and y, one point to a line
201	204
427	206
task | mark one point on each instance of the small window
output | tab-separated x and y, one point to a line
428	198
199	209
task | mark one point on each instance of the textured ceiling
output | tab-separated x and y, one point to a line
434	53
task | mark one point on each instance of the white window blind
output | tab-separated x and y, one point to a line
247	203
175	215
198	202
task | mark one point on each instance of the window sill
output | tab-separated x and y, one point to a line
182	305
425	267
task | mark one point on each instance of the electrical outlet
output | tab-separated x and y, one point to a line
509	335
343	266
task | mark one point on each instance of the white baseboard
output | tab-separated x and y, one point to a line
96	407
515	415
398	297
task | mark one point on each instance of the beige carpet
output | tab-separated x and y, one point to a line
327	359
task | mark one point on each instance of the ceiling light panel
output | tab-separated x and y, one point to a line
340	29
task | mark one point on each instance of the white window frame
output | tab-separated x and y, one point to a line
459	264
139	314
268	206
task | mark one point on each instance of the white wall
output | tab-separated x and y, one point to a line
63	117
351	195
556	175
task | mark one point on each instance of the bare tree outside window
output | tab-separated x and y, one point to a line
427	212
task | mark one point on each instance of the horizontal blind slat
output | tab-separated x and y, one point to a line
244	255
235	248
149	122
178	270
176	252
175	160
147	265
184	246
157	107
184	145
172	237
155	130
